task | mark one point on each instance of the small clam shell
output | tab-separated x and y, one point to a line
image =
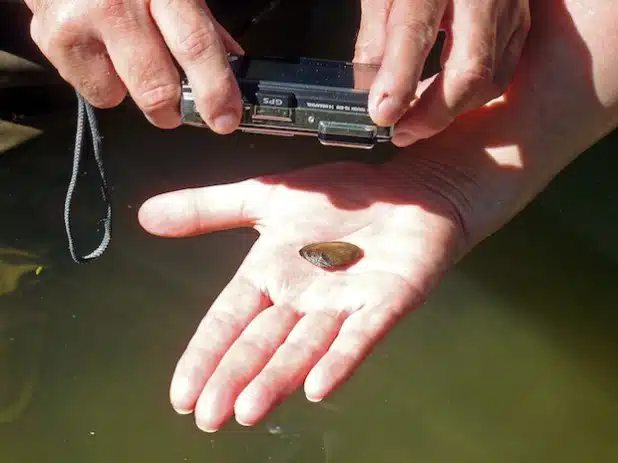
331	255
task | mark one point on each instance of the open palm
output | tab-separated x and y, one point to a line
282	321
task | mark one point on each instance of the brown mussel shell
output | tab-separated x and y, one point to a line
332	255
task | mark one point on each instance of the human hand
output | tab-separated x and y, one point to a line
484	44
282	321
107	47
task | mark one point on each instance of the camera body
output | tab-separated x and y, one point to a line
301	96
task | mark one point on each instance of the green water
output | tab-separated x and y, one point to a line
513	359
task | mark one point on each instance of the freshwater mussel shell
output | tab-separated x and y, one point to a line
331	255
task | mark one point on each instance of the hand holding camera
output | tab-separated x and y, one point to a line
110	47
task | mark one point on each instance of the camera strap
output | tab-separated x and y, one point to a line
87	124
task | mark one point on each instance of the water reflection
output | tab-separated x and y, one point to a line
514	358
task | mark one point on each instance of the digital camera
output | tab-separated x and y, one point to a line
301	96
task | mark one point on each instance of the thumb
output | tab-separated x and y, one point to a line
195	211
371	39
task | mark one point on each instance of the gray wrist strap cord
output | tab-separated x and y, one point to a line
87	122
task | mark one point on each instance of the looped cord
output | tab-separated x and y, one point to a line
86	115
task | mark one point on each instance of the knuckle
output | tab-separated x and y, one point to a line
256	343
66	31
423	32
67	36
477	77
111	8
199	45
157	97
368	52
66	28
117	17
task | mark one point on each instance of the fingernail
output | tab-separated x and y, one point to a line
389	110
314	399
313	387
208	430
226	122
204	425
244	408
179	391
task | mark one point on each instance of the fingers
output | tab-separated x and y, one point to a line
248	355
193	38
231	312
480	60
106	48
241	363
287	369
359	334
411	31
202	210
371	39
318	345
143	63
79	55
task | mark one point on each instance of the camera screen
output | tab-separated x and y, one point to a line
310	72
